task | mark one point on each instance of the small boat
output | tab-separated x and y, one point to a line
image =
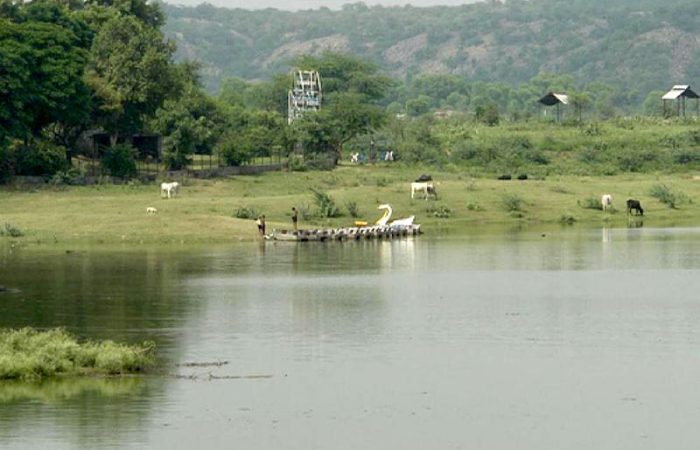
381	229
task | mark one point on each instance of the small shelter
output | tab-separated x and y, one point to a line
552	99
680	94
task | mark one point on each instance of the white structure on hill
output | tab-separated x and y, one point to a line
305	94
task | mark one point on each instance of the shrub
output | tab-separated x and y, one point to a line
686	156
667	196
512	202
487	114
591	203
246	213
232	149
296	164
440	211
352	208
474	207
7	162
28	354
11	230
325	204
68	177
40	158
567	219
120	161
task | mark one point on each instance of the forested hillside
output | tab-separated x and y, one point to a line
639	45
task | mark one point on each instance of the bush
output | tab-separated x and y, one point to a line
667	196
439	211
591	203
512	202
686	156
325	204
68	177
567	219
474	207
28	354
120	161
232	149
40	158
11	230
296	164
7	162
352	208
487	114
246	213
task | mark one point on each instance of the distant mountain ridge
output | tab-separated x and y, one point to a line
647	44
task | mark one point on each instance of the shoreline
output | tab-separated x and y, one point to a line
204	212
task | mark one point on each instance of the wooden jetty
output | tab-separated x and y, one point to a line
345	234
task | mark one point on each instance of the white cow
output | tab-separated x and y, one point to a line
151	211
606	201
169	189
426	187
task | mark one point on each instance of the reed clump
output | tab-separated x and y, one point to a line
30	354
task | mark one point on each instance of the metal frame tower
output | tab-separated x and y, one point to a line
305	94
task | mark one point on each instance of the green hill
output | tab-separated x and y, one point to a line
636	45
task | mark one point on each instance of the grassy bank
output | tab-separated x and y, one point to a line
206	210
28	354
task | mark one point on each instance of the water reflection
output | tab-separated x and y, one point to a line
56	391
401	339
76	413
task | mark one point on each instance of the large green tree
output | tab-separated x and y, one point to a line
130	73
41	68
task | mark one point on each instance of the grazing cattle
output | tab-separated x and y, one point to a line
151	211
169	189
606	201
427	188
636	206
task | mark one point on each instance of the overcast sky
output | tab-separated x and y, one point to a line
312	4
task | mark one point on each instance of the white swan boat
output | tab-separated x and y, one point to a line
382	228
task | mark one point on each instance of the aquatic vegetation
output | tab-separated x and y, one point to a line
28	354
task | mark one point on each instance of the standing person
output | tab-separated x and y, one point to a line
261	225
295	217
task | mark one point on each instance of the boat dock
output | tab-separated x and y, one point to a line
345	234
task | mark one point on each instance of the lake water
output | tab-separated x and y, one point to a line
564	338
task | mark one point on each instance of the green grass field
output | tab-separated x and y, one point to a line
204	210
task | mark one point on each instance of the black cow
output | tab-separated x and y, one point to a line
636	206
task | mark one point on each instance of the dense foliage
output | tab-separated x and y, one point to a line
463	85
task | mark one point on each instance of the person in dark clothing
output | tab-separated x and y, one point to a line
295	217
261	225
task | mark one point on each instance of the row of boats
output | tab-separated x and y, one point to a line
382	229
